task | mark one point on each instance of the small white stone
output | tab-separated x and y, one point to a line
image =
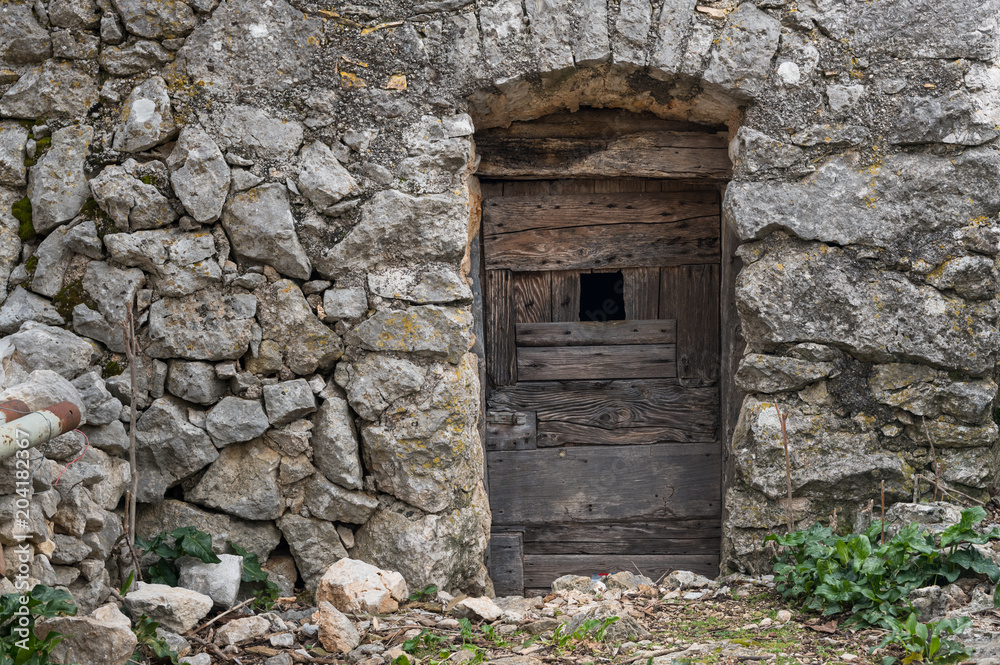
283	640
848	657
784	616
789	74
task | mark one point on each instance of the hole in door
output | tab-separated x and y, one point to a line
602	296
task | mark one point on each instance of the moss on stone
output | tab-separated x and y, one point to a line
21	210
31	264
112	368
70	296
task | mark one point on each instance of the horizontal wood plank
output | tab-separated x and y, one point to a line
556	433
540	570
679	537
516	214
614	405
583	333
665	154
602	484
555	363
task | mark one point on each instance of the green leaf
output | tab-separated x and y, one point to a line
163	572
199	545
48	602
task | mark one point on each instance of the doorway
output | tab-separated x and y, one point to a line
604	427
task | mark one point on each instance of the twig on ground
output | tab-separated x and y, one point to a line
212	647
220	615
782	418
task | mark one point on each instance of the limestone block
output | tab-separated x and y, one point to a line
102	407
147	119
243	481
218	581
74	13
199	174
41	346
257	537
234	420
335	444
973	467
591	45
169	448
53	258
336	632
839	300
357	587
133	58
431	285
672	28
774	374
288	401
631	27
24	306
204	326
55	88
551	31
428	330
242	630
43	388
742	61
133	203
375	381
344	303
83	239
477	609
314	544
104	637
286	318
13	137
261	229
22	39
251	130
57	186
156	19
174	608
195	382
322	179
335	504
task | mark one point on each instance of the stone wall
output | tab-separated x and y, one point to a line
285	191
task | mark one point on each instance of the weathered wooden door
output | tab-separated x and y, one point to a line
601	307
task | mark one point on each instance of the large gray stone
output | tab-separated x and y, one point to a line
672	27
77	14
253	132
397	227
261	228
919	28
428	330
335	504
102	407
24	306
173	608
934	120
839	300
551	29
628	40
895	205
257	537
55	88
146	119
375	381
439	152
350	302
288	401
13	137
261	46
134	57
155	19
287	319
132	202
335	444
243	481
428	453
22	39
971	277
851	466
774	374
104	637
358	587
591	45
742	60
322	179
234	420
199	174
433	284
53	258
169	448
83	239
204	326
315	545
112	288
57	186
195	382
111	438
396	539
42	346
43	388
219	581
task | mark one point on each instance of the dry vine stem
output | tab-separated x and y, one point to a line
131	350
782	417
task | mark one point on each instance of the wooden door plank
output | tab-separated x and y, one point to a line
507	564
532	297
582	333
615	404
691	428
595	246
649	537
511	430
572	186
555	363
526	188
642	293
690	294
540	570
642	155
565	295
501	353
619	541
514	214
604	484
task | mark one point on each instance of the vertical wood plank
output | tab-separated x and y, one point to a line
501	355
507	563
565	295
642	293
533	297
690	294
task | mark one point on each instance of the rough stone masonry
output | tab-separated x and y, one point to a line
285	189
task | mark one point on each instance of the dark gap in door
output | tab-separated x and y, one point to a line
602	296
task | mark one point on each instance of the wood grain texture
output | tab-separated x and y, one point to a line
507	564
501	353
532	297
511	430
578	240
616	405
644	155
679	537
691	428
556	363
541	569
642	293
582	333
565	295
690	294
605	484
